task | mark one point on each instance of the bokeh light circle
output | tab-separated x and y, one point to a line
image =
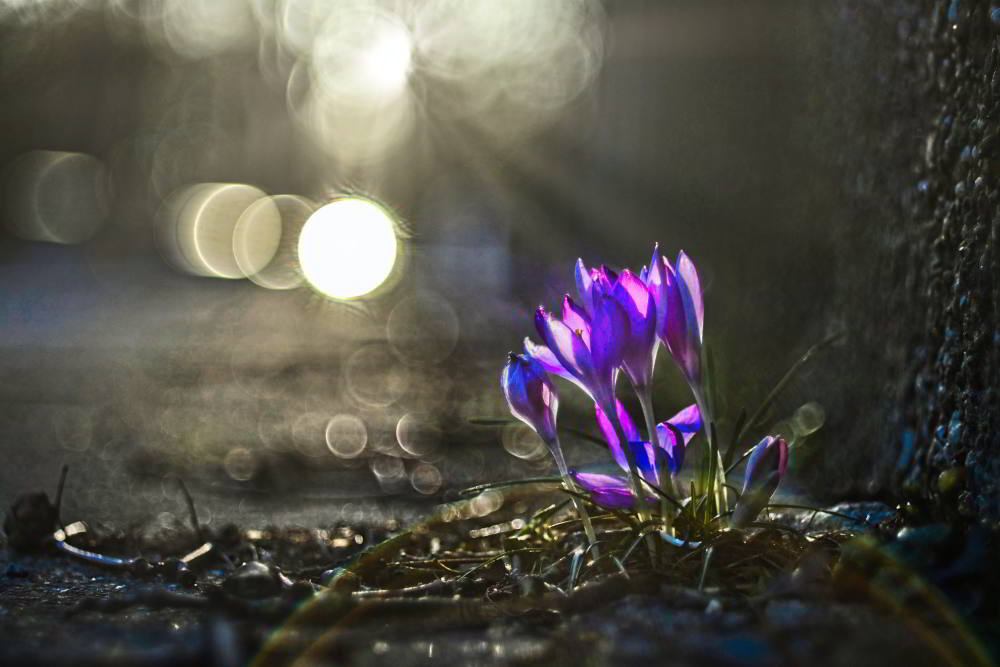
521	441
423	329
265	238
808	419
348	248
426	479
418	434
196	227
373	378
240	464
55	197
346	436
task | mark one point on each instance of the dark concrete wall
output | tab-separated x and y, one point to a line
912	98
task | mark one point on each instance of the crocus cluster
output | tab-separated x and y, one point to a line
617	324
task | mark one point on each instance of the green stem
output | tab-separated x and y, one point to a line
645	397
719	490
588	527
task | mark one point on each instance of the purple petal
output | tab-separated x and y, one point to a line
769	456
632	291
584	285
765	468
657	282
608	333
611	437
756	458
544	356
637	303
549	362
679	332
576	318
604	280
674	434
673	447
531	395
627	423
608	491
687	421
611	434
694	301
646	460
568	348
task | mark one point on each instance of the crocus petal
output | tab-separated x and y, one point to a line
694	301
687	421
646	461
657	281
576	318
765	468
611	433
584	285
608	491
639	353
672	443
632	291
608	274
567	346
608	332
549	362
674	434
627	424
769	455
544	356
611	437
756	458
678	327
531	395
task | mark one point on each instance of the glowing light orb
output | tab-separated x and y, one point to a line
348	248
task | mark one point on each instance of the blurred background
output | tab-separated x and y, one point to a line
167	310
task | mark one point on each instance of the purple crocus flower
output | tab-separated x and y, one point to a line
586	280
614	491
531	395
588	348
635	298
765	468
685	322
680	311
675	433
533	399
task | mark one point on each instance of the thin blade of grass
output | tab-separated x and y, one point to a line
476	490
737	429
758	414
497	422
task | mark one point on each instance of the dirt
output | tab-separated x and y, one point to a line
868	610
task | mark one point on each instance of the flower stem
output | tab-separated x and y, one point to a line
588	527
637	490
645	397
719	483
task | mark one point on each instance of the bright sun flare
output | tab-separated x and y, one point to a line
348	248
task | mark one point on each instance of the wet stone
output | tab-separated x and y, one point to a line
253	580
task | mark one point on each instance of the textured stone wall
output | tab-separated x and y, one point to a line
913	104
